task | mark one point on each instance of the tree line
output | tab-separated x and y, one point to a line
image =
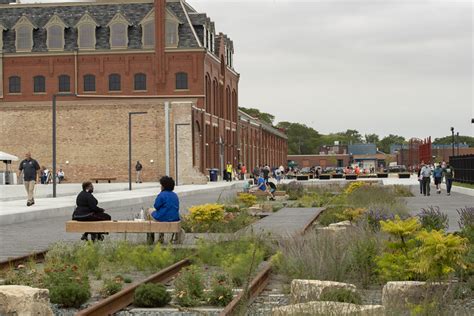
305	140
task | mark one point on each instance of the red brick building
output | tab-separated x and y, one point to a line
162	57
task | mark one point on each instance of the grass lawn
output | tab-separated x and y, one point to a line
464	185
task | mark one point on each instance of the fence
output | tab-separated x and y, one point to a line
463	168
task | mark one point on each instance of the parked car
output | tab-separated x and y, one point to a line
305	170
397	168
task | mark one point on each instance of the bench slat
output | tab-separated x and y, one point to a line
123	227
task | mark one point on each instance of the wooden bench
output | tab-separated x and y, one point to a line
109	179
148	227
302	177
325	176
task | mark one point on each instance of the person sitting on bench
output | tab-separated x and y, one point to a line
166	207
264	186
88	211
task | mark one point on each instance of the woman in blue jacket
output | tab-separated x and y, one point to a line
166	207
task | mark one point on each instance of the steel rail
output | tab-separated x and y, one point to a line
13	262
122	299
257	285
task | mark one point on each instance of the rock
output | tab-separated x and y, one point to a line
267	207
341	224
24	301
281	197
310	290
328	308
334	231
401	294
255	208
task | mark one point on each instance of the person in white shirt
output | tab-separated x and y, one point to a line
60	175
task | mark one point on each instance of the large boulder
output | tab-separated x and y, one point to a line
344	224
310	290
402	294
328	308
24	301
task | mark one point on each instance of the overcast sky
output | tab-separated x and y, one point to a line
379	66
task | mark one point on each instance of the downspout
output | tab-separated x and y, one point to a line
75	71
1	72
167	138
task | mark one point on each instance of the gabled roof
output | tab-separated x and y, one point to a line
55	19
87	18
24	20
119	18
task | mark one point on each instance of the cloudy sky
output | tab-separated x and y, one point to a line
378	66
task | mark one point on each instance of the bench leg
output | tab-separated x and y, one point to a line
150	238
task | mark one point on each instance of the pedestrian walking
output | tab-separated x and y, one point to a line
229	170
420	179
448	173
138	169
244	173
426	176
438	176
29	167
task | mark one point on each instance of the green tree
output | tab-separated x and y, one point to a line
447	140
384	144
301	138
371	138
262	116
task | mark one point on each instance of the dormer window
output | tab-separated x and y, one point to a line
148	30
2	28
118	32
86	32
55	31
171	29
24	34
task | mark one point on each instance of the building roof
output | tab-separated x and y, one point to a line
255	121
362	149
190	34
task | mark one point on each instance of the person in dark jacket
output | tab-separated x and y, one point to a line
166	207
87	209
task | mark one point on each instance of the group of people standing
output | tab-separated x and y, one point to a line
438	172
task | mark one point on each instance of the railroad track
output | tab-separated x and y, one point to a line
14	262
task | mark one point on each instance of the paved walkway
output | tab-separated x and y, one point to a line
447	204
286	222
16	211
23	238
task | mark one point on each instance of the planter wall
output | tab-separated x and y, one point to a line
337	176
404	175
325	177
351	177
382	175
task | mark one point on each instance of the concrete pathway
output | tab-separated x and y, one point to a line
286	222
447	204
37	235
16	211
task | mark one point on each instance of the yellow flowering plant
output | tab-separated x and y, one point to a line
353	186
203	216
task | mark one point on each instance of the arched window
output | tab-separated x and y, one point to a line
39	84
228	104
55	33
114	82
64	82
118	32
181	81
14	84
140	82
208	94
89	83
148	30
86	32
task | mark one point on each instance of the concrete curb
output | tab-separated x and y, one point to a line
65	208
461	190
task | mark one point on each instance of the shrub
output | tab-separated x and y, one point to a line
364	251
151	295
352	214
433	219
466	218
341	295
402	191
331	215
295	190
67	286
232	208
242	265
353	187
189	287
221	290
87	256
247	199
374	216
110	287
127	280
205	215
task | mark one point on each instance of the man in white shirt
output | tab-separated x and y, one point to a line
426	179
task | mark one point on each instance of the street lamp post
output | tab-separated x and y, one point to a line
130	146
457	142
452	140
54	135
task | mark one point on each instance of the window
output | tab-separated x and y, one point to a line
89	83
114	82
24	34
64	83
148	30
14	84
55	31
181	81
2	28
140	82
86	29
39	84
171	33
118	31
